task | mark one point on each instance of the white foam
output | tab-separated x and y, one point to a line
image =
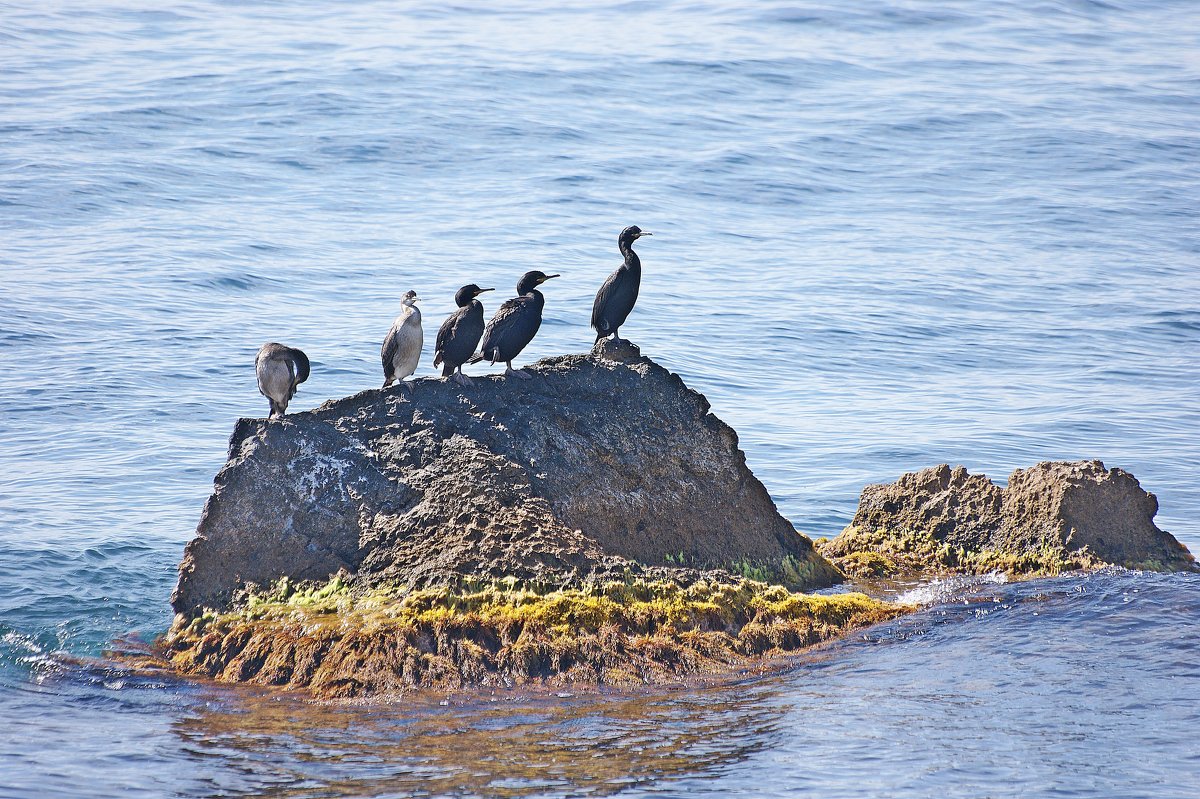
944	590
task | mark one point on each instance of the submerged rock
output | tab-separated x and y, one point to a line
1052	517
603	465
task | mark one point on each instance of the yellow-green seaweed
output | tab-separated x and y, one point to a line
338	641
882	552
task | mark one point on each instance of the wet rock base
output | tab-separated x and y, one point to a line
337	642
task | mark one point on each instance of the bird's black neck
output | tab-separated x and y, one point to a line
538	299
632	262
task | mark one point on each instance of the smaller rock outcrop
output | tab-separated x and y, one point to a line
1052	517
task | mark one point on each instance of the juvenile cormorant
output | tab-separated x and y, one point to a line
616	297
515	324
460	333
280	369
402	348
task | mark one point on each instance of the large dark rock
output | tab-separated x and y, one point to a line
602	464
1050	517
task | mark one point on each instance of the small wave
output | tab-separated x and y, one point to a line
238	282
24	652
944	590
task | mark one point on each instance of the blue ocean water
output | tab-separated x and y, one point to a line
887	235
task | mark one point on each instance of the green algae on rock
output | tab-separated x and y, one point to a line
336	641
1051	518
884	552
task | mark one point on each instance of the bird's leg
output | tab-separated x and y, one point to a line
516	372
408	385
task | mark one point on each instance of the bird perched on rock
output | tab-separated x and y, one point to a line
402	347
616	297
280	369
515	324
460	333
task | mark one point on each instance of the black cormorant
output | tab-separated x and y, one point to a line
515	324
402	347
280	369
459	335
616	297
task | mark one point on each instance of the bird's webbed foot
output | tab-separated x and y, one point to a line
461	379
517	373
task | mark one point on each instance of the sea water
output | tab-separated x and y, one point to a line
886	235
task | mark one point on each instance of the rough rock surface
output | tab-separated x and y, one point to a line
1054	514
602	464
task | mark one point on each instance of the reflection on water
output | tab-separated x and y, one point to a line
504	745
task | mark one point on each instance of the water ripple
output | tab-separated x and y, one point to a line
887	235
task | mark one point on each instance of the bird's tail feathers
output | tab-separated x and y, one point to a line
447	369
476	358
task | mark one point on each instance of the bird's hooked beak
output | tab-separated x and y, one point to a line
643	233
547	277
482	290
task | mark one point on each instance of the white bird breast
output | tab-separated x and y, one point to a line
409	341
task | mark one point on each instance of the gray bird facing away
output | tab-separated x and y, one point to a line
402	348
280	369
616	297
459	335
515	324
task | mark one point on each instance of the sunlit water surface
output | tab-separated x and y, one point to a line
887	235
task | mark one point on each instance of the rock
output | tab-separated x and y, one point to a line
1084	506
1051	517
337	643
603	464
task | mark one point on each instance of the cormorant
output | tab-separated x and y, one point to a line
515	324
460	333
280	369
616	297
402	348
